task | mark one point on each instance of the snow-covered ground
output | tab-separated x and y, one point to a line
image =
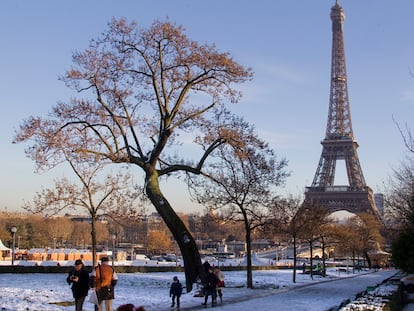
273	290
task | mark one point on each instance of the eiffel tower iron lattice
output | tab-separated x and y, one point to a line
339	142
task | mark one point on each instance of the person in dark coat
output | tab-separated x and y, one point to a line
206	266
175	292
210	288
79	280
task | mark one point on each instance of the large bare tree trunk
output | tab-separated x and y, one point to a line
192	262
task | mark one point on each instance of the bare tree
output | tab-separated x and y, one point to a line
327	240
111	195
242	180
313	220
400	205
407	136
349	242
145	89
59	229
367	234
288	220
158	242
399	199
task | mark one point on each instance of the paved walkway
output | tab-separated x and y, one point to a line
310	297
410	305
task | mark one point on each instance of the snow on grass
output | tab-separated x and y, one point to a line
50	292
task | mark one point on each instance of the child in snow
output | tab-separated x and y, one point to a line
175	292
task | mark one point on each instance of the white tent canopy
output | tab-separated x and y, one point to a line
4	248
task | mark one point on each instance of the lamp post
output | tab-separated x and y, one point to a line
113	249
13	231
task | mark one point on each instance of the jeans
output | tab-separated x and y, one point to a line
174	297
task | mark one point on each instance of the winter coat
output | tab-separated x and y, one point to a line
206	266
104	279
220	277
211	281
176	289
80	288
104	276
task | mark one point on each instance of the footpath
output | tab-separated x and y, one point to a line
324	295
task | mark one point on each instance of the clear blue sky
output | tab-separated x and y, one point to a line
287	43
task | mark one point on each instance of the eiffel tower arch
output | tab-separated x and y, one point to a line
339	142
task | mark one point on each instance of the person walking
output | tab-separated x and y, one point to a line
78	278
104	279
220	282
175	292
210	288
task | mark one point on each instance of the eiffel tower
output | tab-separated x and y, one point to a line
339	142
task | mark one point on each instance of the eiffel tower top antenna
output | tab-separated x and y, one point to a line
339	115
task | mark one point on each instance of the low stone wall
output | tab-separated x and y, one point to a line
119	269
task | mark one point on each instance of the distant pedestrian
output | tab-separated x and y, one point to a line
220	282
78	278
175	292
210	288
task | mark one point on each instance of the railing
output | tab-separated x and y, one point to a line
337	189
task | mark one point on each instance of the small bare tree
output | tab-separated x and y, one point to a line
111	195
313	219
399	199
242	179
288	221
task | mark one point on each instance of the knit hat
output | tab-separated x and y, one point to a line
104	259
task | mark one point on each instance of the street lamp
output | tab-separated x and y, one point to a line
13	231
113	248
